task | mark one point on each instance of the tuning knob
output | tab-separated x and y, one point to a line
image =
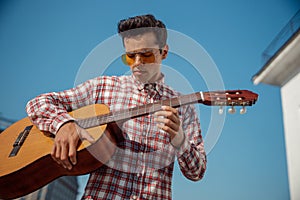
231	110
243	110
221	110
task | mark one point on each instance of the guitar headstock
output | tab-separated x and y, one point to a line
230	98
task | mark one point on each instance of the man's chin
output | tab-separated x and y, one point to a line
140	76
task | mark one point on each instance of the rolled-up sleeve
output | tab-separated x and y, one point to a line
191	155
49	111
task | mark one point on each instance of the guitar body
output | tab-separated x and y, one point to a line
27	167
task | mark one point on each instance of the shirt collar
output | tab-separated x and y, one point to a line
158	84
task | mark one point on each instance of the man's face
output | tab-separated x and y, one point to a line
144	57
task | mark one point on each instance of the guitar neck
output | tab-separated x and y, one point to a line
141	110
212	98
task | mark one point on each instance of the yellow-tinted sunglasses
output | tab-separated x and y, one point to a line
146	55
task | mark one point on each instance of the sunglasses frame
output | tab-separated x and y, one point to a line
142	55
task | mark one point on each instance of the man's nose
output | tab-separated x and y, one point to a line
137	61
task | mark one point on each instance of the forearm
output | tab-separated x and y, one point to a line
192	160
191	154
49	111
47	114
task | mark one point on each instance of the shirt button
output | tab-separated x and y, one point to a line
134	197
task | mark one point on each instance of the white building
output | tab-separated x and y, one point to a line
282	69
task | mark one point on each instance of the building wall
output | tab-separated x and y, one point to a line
290	95
63	188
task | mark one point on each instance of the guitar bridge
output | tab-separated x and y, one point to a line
19	141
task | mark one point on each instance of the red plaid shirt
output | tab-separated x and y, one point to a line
142	166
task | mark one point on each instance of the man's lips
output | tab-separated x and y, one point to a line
138	71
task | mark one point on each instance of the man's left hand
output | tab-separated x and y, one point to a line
170	123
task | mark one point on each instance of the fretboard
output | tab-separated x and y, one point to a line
140	110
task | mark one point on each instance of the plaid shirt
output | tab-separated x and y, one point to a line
143	163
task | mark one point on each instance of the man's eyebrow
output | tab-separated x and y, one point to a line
140	51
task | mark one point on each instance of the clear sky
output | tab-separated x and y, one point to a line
43	44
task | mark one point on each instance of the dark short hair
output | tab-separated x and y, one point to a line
142	24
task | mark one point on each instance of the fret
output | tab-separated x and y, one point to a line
175	102
108	118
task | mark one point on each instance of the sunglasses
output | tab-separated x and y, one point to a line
146	56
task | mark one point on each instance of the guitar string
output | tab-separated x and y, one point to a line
133	112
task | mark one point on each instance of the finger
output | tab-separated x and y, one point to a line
57	154
64	157
167	109
84	135
169	115
168	122
167	129
73	152
171	109
53	154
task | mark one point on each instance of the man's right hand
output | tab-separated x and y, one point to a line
65	144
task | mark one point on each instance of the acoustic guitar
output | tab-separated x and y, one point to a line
25	151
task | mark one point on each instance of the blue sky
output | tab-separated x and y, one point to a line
44	43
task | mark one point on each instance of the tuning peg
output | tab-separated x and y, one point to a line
221	110
231	110
243	110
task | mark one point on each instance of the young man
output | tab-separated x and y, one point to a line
143	163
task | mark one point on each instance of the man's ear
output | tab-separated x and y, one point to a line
165	51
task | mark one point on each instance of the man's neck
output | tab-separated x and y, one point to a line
154	79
